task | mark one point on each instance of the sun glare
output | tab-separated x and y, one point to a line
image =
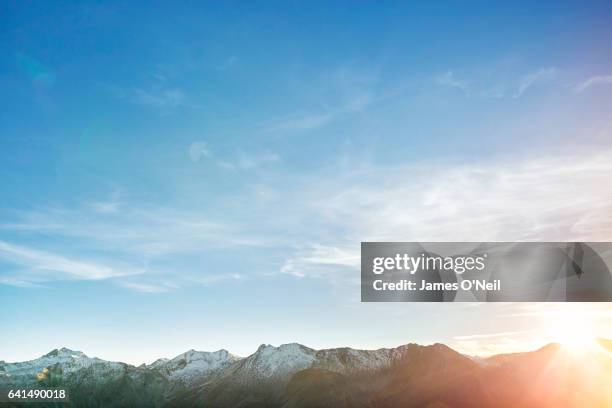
574	331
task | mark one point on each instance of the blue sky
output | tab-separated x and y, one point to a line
181	176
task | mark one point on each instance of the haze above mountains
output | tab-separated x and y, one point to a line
293	375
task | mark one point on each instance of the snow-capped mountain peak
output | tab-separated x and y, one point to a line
66	359
192	364
65	353
269	361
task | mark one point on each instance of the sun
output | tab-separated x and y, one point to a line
574	331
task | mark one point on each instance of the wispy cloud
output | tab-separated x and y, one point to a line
543	327
227	63
148	231
209	280
163	98
299	122
146	287
332	96
546	198
449	79
540	76
109	206
316	260
593	81
133	241
199	150
487	347
239	160
18	282
156	94
487	335
558	311
40	266
311	226
498	87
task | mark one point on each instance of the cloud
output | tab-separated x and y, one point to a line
593	81
145	242
556	311
228	63
109	206
240	160
218	278
559	198
537	198
316	260
499	88
17	282
44	266
311	225
448	79
106	206
542	326
500	345
198	150
163	98
539	76
545	320
145	287
249	161
488	335
162	285
138	231
332	96
299	122
158	95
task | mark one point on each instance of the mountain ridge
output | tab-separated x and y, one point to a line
294	375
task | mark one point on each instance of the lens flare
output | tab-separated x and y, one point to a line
574	331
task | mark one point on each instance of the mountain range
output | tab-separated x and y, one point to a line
293	375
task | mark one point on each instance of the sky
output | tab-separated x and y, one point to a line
200	175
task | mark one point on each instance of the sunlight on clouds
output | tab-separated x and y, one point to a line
576	326
487	336
539	199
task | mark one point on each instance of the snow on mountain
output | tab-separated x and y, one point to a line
272	364
270	361
264	375
268	364
298	376
68	360
186	367
347	359
290	358
192	364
